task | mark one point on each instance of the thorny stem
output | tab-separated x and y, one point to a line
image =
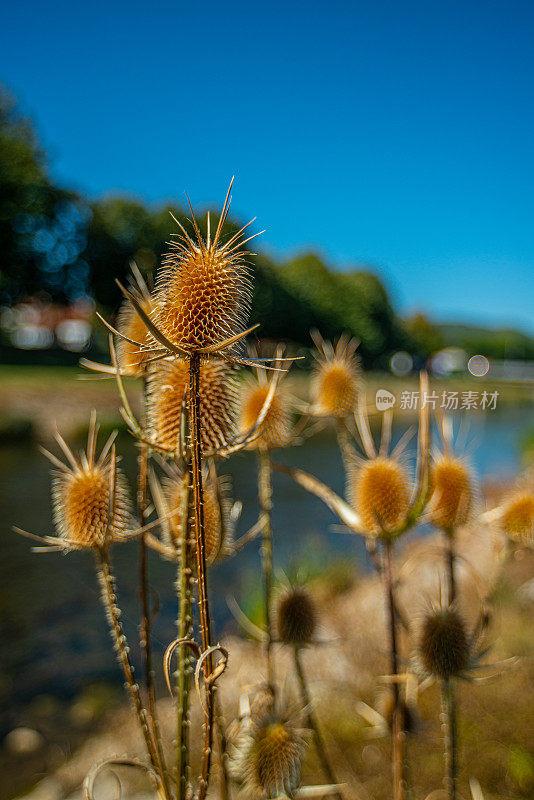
265	497
343	442
109	600
203	603
450	559
397	721
222	745
449	737
145	627
185	627
312	722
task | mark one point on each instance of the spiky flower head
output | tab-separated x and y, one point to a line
269	757
443	648
203	291
517	518
168	384
130	358
452	492
379	491
336	378
218	519
297	617
275	429
90	497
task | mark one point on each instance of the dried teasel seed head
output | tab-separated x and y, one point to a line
452	492
203	291
443	647
130	358
217	513
270	757
297	618
167	387
517	518
380	494
336	379
82	491
275	430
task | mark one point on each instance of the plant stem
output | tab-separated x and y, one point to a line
312	722
113	613
450	559
185	627
265	496
203	602
397	721
449	737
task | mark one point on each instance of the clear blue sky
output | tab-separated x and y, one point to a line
398	134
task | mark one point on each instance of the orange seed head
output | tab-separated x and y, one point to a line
275	428
517	520
451	499
380	494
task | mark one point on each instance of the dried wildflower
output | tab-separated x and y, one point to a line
219	513
275	429
452	492
269	755
91	502
380	493
168	383
443	649
131	359
517	518
336	379
297	618
203	292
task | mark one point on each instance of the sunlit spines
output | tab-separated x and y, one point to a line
275	430
336	378
203	291
168	383
517	517
451	497
90	497
269	756
379	490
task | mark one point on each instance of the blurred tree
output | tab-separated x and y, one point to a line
42	227
425	337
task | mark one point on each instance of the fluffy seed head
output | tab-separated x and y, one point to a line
275	428
336	379
380	494
271	758
452	492
204	290
517	519
296	617
443	647
168	383
129	357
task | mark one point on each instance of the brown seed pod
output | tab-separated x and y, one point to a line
297	618
168	383
90	498
269	760
380	493
130	358
218	525
517	518
203	291
275	430
452	492
336	378
443	647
